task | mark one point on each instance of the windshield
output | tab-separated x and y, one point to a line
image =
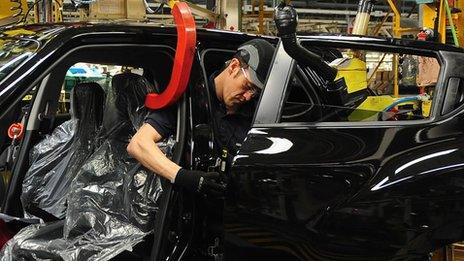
14	51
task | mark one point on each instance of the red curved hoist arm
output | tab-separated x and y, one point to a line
185	51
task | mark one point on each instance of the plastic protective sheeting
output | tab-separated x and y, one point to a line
8	218
113	200
9	226
49	158
56	160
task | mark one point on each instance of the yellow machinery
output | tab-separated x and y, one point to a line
12	11
441	10
354	71
353	68
368	110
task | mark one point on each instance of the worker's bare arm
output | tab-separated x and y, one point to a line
143	148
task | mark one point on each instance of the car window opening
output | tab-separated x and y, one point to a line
381	86
98	108
82	117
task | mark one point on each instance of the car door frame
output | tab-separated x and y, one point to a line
269	111
30	74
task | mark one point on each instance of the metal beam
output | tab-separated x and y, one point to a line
231	12
203	12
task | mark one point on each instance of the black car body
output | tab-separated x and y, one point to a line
313	185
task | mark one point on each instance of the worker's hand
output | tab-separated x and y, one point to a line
286	19
200	182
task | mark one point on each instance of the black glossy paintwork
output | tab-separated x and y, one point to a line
331	192
60	38
352	193
373	41
65	36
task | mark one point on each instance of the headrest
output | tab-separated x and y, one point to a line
125	101
87	103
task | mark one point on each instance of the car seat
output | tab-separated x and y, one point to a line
57	158
125	106
111	195
112	200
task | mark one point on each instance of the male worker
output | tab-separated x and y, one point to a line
241	79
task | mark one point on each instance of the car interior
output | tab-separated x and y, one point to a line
44	118
76	125
63	153
76	128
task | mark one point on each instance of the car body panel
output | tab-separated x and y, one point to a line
375	191
349	190
305	191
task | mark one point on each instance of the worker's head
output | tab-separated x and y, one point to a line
245	74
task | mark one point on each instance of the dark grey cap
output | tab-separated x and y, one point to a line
257	54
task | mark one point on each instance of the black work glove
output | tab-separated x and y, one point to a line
200	182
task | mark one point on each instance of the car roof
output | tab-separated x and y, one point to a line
403	42
47	31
